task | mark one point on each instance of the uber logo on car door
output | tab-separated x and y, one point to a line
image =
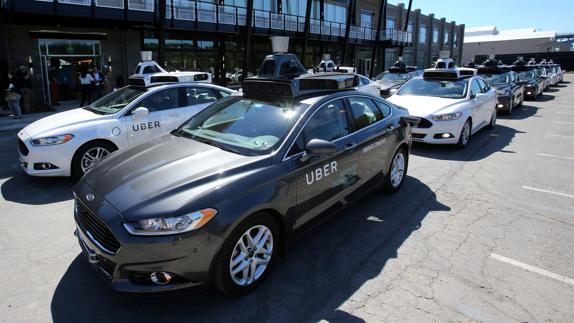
146	126
321	172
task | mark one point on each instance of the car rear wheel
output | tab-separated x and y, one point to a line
89	155
247	255
464	137
397	171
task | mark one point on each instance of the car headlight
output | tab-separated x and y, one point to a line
170	225
447	116
48	141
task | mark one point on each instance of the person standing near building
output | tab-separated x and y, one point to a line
86	81
25	79
98	83
108	80
54	85
13	96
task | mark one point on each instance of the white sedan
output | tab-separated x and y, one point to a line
451	110
72	142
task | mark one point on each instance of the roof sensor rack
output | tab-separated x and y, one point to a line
282	77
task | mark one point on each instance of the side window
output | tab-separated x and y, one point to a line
484	87
162	100
364	80
474	88
151	69
384	108
364	112
200	95
328	123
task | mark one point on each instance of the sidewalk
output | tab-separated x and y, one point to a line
7	123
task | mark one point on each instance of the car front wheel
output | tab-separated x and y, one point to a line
89	155
464	135
247	255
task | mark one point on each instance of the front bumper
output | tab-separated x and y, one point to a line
127	268
530	91
433	131
503	103
52	160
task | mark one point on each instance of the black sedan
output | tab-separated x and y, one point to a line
508	88
217	199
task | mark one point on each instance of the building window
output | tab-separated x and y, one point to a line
265	5
367	18
435	36
294	7
423	34
335	13
446	35
142	5
422	60
390	24
455	40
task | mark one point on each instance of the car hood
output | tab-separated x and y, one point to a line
423	106
50	125
161	176
500	86
387	84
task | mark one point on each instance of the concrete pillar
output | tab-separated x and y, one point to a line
416	32
451	37
430	27
460	42
441	29
400	20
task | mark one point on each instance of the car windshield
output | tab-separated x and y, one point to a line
116	101
497	78
529	75
242	125
437	88
386	76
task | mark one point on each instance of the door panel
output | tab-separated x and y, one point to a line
323	181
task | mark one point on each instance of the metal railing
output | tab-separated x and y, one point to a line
208	12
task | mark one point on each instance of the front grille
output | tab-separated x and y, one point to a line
418	135
22	147
95	228
107	267
424	123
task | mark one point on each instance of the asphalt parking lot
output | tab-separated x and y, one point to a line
481	234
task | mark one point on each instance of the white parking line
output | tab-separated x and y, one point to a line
546	191
561	122
533	269
553	135
561	157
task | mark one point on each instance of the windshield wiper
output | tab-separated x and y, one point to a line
223	147
94	110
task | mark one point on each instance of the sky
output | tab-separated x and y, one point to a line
546	15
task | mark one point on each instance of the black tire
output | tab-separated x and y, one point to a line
461	144
221	271
388	186
492	122
77	160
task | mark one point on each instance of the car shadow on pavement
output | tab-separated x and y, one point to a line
545	97
322	270
519	113
25	189
482	144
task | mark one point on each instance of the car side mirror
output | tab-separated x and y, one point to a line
319	148
140	113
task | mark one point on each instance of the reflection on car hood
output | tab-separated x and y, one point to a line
388	84
423	106
47	125
159	177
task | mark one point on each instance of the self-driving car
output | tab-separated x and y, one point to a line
530	79
215	201
392	80
72	142
510	92
451	107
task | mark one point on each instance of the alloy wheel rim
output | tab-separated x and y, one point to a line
465	133
92	157
397	170
251	255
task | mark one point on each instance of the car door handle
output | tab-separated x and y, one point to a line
350	146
